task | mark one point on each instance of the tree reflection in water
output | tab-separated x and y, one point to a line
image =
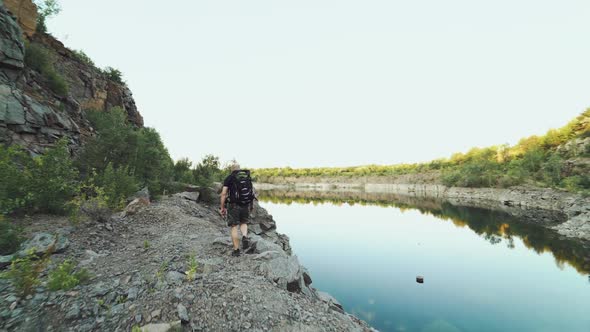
494	226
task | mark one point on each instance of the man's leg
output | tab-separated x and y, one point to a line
244	229
234	237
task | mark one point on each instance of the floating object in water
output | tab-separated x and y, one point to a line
420	279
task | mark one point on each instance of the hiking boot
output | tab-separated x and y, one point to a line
245	242
236	253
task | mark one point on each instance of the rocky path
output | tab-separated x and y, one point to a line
138	265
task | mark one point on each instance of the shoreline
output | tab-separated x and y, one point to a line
566	213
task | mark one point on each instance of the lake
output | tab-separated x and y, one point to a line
483	270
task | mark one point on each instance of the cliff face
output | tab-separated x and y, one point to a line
31	113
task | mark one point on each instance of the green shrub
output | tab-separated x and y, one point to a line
15	174
84	58
10	237
90	202
63	277
54	180
40	59
24	273
114	75
117	184
191	272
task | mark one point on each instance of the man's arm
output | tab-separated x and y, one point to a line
222	208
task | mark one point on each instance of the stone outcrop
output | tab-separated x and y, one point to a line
139	270
25	12
31	114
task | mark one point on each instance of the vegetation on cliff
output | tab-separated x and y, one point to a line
546	161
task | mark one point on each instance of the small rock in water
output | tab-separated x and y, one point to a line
420	279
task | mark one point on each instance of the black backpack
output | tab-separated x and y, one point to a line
241	191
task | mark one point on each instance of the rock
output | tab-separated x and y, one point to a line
5	261
42	243
330	300
182	313
156	313
26	14
12	50
263	245
175	277
191	196
268	255
285	271
74	312
100	289
132	293
135	205
162	327
138	318
144	193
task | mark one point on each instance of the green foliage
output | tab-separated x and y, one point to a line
15	175
183	172
41	184
117	185
137	156
207	171
24	273
90	202
46	9
146	244
136	328
114	75
533	160
192	268
63	277
10	237
84	58
40	59
54	180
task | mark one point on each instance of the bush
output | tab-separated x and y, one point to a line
10	237
64	277
114	75
54	180
40	59
90	202
84	58
117	185
24	273
15	176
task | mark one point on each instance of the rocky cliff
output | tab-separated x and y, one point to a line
32	114
139	263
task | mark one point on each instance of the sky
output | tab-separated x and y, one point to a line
311	83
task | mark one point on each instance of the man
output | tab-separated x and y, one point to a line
237	187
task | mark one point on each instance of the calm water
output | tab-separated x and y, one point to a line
483	271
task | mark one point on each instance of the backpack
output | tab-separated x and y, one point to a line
241	191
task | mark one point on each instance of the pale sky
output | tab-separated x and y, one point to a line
335	82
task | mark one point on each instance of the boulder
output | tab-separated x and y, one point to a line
162	327
334	304
285	271
42	243
135	205
190	196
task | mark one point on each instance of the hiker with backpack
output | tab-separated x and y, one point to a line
238	194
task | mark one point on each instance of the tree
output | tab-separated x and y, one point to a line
46	9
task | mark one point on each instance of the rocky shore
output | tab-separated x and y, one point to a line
564	212
138	264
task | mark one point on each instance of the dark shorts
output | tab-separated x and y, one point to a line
237	214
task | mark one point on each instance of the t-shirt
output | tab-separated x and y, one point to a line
228	182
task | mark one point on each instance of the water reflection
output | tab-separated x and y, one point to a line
497	227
